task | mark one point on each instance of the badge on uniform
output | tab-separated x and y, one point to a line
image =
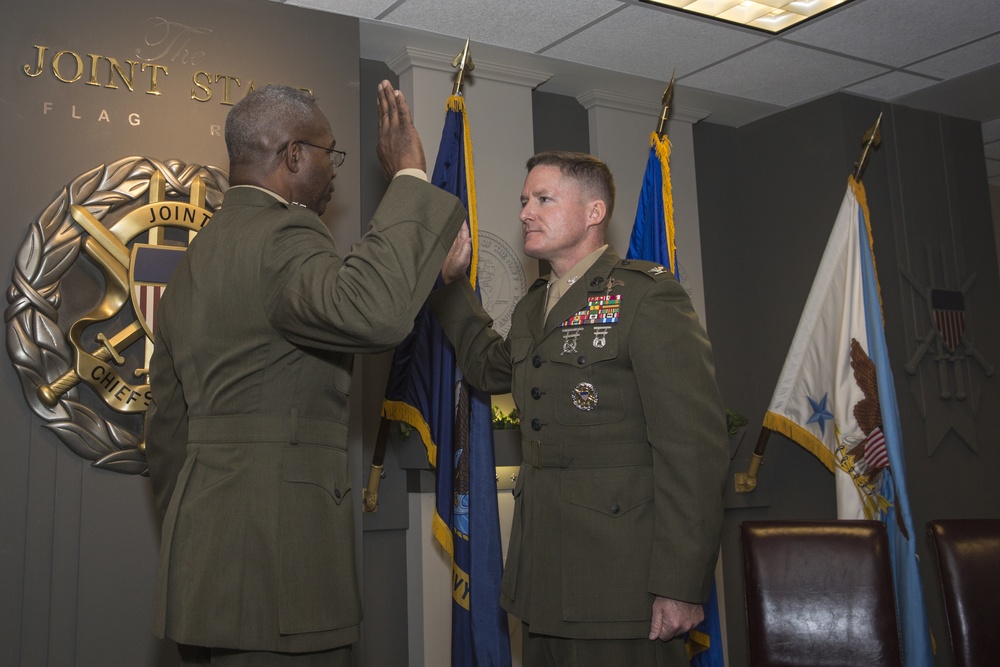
569	340
600	336
599	310
585	396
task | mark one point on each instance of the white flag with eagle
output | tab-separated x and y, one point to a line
835	397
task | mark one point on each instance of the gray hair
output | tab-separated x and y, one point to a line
586	169
264	112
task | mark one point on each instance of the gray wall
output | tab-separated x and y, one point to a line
768	194
79	547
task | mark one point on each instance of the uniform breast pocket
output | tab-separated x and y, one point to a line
588	376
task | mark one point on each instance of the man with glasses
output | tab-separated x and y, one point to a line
246	435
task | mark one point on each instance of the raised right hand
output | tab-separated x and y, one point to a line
399	145
459	257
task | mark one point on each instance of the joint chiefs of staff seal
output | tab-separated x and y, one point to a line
618	499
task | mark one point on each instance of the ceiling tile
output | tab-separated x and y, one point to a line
899	32
367	9
962	60
889	86
525	25
992	150
651	42
783	74
991	131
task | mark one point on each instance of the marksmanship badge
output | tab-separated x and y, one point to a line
132	248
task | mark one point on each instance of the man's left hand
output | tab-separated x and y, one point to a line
673	617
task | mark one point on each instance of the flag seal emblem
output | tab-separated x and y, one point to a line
104	214
585	396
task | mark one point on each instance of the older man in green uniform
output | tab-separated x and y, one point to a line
246	437
618	502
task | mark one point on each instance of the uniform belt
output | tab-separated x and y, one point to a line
539	454
289	428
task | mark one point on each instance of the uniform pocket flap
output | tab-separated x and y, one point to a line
587	348
325	467
613	492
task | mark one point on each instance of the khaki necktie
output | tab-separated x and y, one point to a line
553	293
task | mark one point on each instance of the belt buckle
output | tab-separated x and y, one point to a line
536	454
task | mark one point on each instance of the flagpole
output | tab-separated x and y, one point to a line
871	140
370	493
463	61
747	482
668	96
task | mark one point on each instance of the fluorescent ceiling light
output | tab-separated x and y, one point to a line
767	15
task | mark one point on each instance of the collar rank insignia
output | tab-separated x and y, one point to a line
599	310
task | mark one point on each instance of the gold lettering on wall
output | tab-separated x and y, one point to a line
112	73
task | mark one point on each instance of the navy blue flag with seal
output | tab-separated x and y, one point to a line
455	421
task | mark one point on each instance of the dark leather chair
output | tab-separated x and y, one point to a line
819	594
968	558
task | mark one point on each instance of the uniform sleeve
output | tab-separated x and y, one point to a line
166	427
367	300
481	353
686	426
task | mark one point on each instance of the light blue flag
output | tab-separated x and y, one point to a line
917	650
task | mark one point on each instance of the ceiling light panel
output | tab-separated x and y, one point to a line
768	15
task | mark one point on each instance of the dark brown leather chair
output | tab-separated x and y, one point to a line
819	594
968	558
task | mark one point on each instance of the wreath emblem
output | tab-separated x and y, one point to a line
131	246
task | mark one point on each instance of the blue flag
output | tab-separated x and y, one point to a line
653	232
455	421
653	240
836	398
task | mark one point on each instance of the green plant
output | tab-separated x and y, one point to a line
734	422
503	421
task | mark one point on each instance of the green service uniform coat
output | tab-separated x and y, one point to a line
619	495
246	437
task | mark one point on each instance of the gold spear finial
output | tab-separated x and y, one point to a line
463	61
871	140
668	97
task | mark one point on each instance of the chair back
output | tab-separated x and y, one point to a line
819	594
968	558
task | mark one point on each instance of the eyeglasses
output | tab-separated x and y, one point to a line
336	157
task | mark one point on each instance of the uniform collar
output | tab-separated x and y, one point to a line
593	281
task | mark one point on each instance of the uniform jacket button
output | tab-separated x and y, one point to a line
536	361
536	424
536	393
615	509
581	360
